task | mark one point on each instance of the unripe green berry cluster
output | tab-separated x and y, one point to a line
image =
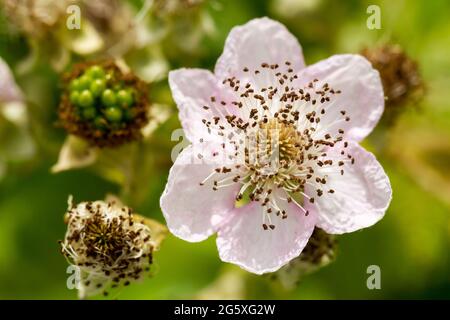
104	104
101	99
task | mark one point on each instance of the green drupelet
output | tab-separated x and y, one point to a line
100	99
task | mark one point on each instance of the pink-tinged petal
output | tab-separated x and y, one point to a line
192	90
193	211
361	94
9	91
361	195
244	242
258	41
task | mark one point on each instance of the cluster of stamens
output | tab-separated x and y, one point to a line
109	245
274	130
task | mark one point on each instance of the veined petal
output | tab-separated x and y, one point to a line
361	195
192	90
361	97
244	242
192	211
259	41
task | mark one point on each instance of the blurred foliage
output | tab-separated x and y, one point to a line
411	244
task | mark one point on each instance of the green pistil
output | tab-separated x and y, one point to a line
124	98
74	96
101	99
113	114
84	82
85	99
109	98
97	87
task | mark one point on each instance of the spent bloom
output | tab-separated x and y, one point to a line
109	244
274	149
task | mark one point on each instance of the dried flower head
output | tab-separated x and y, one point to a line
110	245
103	105
399	74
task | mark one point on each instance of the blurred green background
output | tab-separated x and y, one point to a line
411	244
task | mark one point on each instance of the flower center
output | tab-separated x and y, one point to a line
279	139
104	238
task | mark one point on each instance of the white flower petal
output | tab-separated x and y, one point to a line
244	242
361	94
192	89
259	41
362	195
193	211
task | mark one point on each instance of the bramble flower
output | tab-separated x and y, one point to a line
274	149
109	244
